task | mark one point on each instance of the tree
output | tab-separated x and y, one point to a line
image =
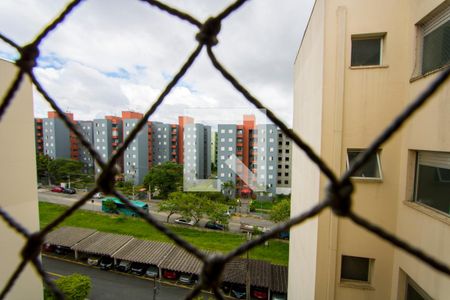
281	211
172	204
194	206
43	167
74	287
217	212
110	206
165	178
228	188
61	169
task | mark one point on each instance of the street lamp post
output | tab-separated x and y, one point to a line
247	286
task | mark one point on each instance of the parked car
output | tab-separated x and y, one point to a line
57	189
48	248
106	263
61	250
170	274
93	260
98	195
238	291
278	296
284	235
259	293
185	222
246	227
187	279
214	226
152	272
138	268
124	266
69	191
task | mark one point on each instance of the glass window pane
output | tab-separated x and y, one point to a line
436	48
355	268
369	170
412	294
366	52
433	187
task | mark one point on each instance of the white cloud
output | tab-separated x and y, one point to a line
111	55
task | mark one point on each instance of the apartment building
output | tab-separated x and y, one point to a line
58	142
214	140
359	64
136	154
39	136
86	128
164	139
267	159
108	136
284	164
197	152
19	184
249	151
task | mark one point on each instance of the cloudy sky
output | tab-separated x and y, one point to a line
114	55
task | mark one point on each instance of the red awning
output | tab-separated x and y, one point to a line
246	191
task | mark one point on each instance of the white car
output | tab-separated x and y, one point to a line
93	260
98	196
185	222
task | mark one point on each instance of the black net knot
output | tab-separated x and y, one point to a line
212	271
106	180
208	32
28	57
33	246
340	195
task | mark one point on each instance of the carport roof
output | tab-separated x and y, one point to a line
279	280
260	272
102	243
147	252
180	260
68	236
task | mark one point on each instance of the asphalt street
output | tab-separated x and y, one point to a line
64	199
108	285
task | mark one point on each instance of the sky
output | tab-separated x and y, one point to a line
114	55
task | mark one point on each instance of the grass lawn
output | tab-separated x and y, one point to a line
264	205
277	252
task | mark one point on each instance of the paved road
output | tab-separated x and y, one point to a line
107	285
66	199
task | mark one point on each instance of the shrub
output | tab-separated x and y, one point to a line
74	287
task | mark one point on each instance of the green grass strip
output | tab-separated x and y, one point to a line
277	252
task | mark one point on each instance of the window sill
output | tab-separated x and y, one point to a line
367	179
368	67
435	214
417	77
356	285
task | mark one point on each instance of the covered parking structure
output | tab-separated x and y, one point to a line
101	243
146	252
65	238
179	260
262	275
279	280
68	236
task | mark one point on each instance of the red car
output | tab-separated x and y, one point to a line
170	274
57	189
259	293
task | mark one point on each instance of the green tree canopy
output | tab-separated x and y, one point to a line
194	206
61	168
165	178
43	167
74	287
281	211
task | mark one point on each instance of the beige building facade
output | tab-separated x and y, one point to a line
18	184
359	65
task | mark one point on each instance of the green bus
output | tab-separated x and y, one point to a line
121	208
